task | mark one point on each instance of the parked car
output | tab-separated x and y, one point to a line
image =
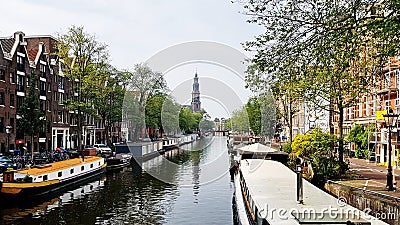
102	149
6	163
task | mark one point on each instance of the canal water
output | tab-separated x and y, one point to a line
186	186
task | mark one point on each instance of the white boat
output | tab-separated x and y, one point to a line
265	194
48	178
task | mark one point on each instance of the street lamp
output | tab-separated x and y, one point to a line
390	122
8	131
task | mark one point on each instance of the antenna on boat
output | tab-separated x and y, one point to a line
299	173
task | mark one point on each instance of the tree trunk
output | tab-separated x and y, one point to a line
32	145
290	122
340	126
79	131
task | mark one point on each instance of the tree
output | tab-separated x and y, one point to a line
322	52
109	96
359	136
254	112
82	58
187	120
31	119
240	120
142	84
170	116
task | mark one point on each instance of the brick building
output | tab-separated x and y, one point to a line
384	96
22	57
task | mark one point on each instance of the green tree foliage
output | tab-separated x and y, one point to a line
240	121
323	52
206	125
359	136
254	114
83	59
170	116
317	147
108	97
31	119
143	83
187	121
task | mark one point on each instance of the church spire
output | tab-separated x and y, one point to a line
196	104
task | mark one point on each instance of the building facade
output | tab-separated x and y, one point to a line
382	97
23	58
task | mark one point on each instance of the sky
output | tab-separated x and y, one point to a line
136	30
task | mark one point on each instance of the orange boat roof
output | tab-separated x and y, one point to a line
56	166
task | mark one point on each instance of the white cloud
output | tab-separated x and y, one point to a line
133	29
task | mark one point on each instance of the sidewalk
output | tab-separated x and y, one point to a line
375	177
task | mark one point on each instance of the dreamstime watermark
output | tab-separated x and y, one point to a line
341	211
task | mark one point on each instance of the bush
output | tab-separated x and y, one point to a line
317	148
286	148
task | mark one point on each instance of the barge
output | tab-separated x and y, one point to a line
266	192
40	180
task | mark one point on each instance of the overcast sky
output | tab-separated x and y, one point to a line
135	30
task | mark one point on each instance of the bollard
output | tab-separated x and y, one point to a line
299	173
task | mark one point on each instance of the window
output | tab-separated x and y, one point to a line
60	117
1	98
27	81
42	88
20	101
59	174
42	105
49	87
82	168
12	78
2	75
48	105
61	99
45	178
42	69
91	165
12	100
60	82
12	124
20	83
71	171
20	63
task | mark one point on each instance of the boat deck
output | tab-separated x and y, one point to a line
273	188
57	166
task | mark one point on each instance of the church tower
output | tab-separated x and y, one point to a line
196	104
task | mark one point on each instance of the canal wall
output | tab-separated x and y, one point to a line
381	206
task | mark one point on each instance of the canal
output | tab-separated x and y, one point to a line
186	186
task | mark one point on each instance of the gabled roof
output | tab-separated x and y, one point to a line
32	54
7	44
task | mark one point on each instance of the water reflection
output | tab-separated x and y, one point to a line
133	196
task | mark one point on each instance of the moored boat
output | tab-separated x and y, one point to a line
118	161
51	177
268	193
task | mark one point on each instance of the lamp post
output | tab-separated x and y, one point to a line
390	121
8	131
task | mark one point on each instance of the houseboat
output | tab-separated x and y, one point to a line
51	177
266	193
119	161
150	149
